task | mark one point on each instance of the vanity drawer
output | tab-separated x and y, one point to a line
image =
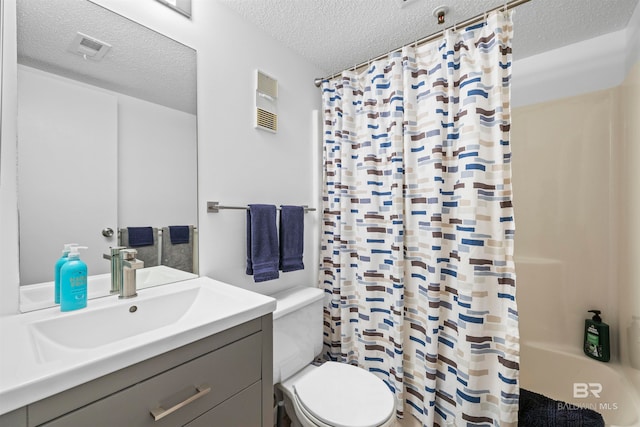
242	410
193	388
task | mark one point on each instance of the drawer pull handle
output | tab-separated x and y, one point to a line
159	412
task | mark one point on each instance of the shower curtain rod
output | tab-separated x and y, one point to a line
507	6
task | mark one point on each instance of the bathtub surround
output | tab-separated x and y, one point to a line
578	222
417	242
566	247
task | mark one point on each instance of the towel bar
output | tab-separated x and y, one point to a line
215	207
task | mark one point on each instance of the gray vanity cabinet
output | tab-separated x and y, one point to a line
223	380
17	418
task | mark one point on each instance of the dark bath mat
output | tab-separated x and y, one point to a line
537	410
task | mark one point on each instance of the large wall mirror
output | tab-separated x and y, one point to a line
107	146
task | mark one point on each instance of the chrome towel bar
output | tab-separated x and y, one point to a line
215	207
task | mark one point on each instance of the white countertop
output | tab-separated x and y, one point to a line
25	377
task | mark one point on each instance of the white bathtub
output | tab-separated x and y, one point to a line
562	373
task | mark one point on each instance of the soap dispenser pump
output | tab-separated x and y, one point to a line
596	338
59	264
73	281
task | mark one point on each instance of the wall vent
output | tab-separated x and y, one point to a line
267	120
89	47
266	111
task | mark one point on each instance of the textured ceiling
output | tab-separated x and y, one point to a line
334	34
141	63
338	34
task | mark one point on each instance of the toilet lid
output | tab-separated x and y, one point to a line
342	395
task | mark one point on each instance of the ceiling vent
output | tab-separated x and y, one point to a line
266	116
404	3
89	47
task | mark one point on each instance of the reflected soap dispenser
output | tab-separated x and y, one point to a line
73	281
59	264
596	338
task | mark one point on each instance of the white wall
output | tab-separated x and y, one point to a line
584	67
67	171
157	165
588	66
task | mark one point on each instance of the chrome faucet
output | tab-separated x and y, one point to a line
129	266
116	268
123	271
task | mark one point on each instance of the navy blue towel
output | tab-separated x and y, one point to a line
140	236
291	238
179	234
262	243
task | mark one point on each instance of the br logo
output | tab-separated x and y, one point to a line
584	390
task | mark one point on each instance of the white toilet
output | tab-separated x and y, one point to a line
331	394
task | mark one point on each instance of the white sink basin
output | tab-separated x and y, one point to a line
55	338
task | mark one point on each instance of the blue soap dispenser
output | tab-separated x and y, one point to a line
59	263
73	281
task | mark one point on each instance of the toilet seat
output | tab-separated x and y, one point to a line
341	395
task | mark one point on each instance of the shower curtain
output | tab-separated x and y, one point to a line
417	233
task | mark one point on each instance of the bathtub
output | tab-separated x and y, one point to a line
565	374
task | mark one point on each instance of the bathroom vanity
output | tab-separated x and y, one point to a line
219	375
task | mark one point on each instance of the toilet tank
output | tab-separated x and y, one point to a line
297	330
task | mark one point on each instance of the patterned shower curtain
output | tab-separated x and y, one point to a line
417	234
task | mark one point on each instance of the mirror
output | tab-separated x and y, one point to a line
107	140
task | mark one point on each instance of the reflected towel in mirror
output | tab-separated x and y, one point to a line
140	236
179	234
147	253
175	252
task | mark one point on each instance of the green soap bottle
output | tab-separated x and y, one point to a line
596	338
